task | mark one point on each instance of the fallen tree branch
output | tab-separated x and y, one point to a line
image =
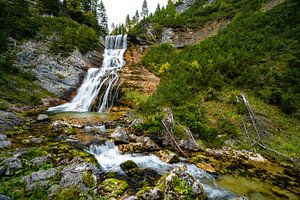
170	134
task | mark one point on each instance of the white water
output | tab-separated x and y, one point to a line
109	157
100	82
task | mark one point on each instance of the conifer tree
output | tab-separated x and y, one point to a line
145	11
102	18
128	23
136	17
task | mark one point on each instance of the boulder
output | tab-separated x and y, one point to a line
5	144
131	148
150	194
3	137
60	127
36	140
177	184
42	117
53	190
11	165
189	145
8	120
40	160
40	178
73	174
184	5
147	143
132	170
113	188
120	135
168	156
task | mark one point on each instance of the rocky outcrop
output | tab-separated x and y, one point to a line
8	120
185	37
58	75
184	5
135	76
10	166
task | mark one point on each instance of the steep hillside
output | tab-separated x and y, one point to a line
257	55
45	48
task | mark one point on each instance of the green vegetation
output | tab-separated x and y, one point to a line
257	54
194	17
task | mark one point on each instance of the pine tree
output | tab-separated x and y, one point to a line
128	23
102	18
136	17
145	11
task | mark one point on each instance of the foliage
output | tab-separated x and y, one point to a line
257	52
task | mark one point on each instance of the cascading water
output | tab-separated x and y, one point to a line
110	158
99	83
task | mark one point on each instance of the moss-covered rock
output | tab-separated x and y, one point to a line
112	187
177	184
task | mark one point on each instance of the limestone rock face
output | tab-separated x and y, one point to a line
185	37
58	75
186	4
135	76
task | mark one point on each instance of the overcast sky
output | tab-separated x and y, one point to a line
118	9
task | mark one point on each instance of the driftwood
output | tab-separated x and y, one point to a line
173	138
253	122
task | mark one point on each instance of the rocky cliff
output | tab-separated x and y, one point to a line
57	74
185	37
134	75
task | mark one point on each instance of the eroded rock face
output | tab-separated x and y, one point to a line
135	76
186	4
58	75
185	37
120	135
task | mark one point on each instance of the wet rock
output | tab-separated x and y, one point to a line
72	175
168	156
40	178
147	143
151	194
36	140
42	117
132	170
100	129
113	188
3	197
11	165
131	148
132	138
8	120
120	135
40	160
179	184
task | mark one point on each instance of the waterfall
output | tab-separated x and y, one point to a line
100	83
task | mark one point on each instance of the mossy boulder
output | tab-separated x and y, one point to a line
132	170
177	184
113	188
